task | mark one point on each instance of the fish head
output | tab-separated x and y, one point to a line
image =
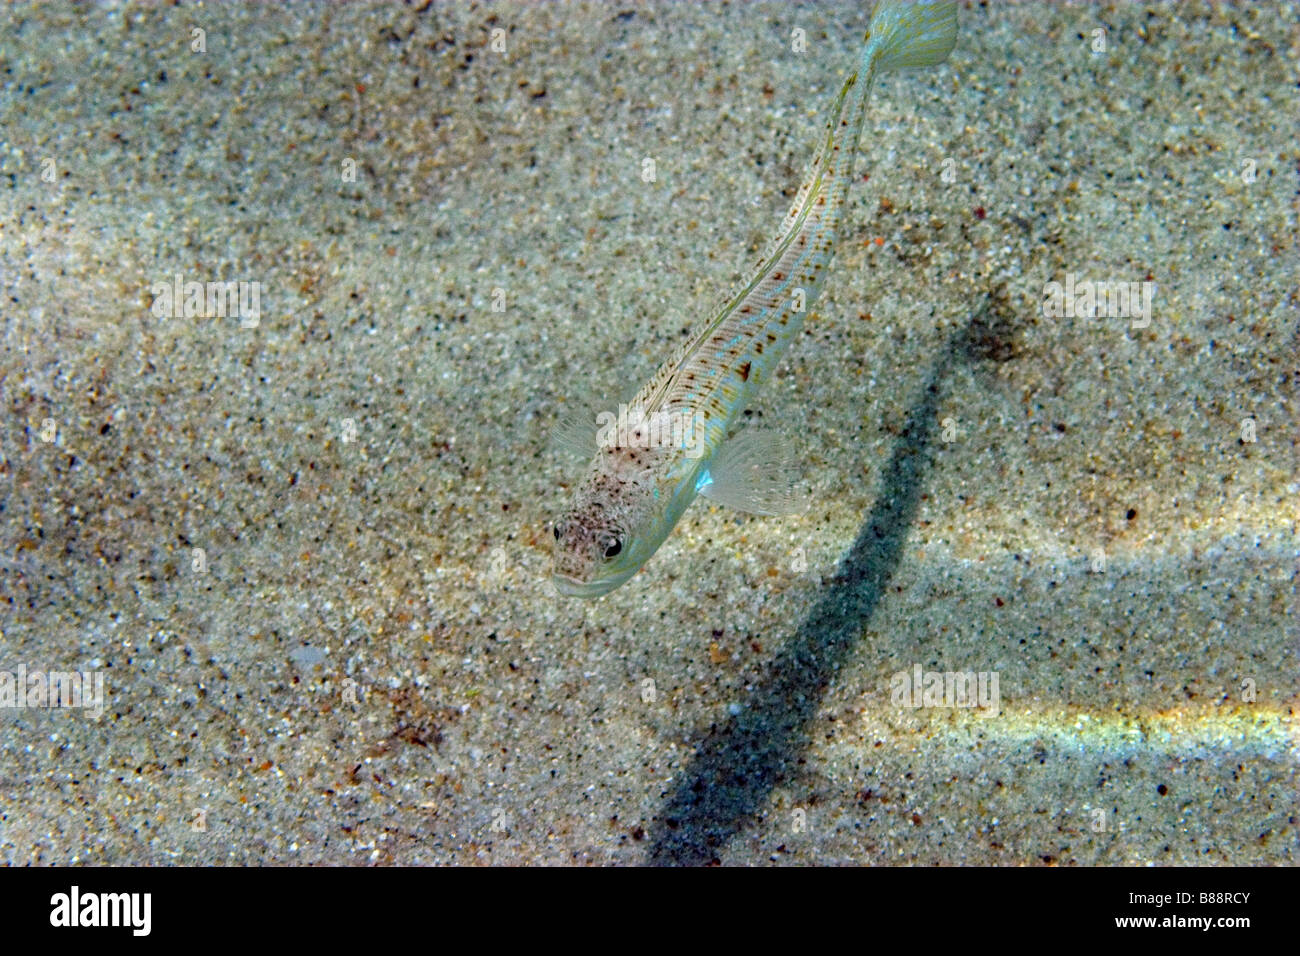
588	548
618	517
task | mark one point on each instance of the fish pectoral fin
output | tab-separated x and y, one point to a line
575	431
754	471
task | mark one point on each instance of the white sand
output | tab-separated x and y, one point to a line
372	666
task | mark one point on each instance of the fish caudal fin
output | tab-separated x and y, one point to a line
906	33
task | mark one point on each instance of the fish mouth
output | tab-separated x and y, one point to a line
572	587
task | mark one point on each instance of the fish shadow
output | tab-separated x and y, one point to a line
739	762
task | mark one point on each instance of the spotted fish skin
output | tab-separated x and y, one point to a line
636	489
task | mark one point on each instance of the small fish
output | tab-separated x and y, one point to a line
676	438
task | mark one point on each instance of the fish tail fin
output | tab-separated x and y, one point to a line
906	33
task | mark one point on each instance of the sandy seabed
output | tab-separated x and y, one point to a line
306	546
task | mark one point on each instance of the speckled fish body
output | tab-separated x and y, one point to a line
676	437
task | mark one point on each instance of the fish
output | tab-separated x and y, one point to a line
677	438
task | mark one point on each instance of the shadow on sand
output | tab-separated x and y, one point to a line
738	763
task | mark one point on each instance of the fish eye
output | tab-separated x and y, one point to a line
556	529
612	547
